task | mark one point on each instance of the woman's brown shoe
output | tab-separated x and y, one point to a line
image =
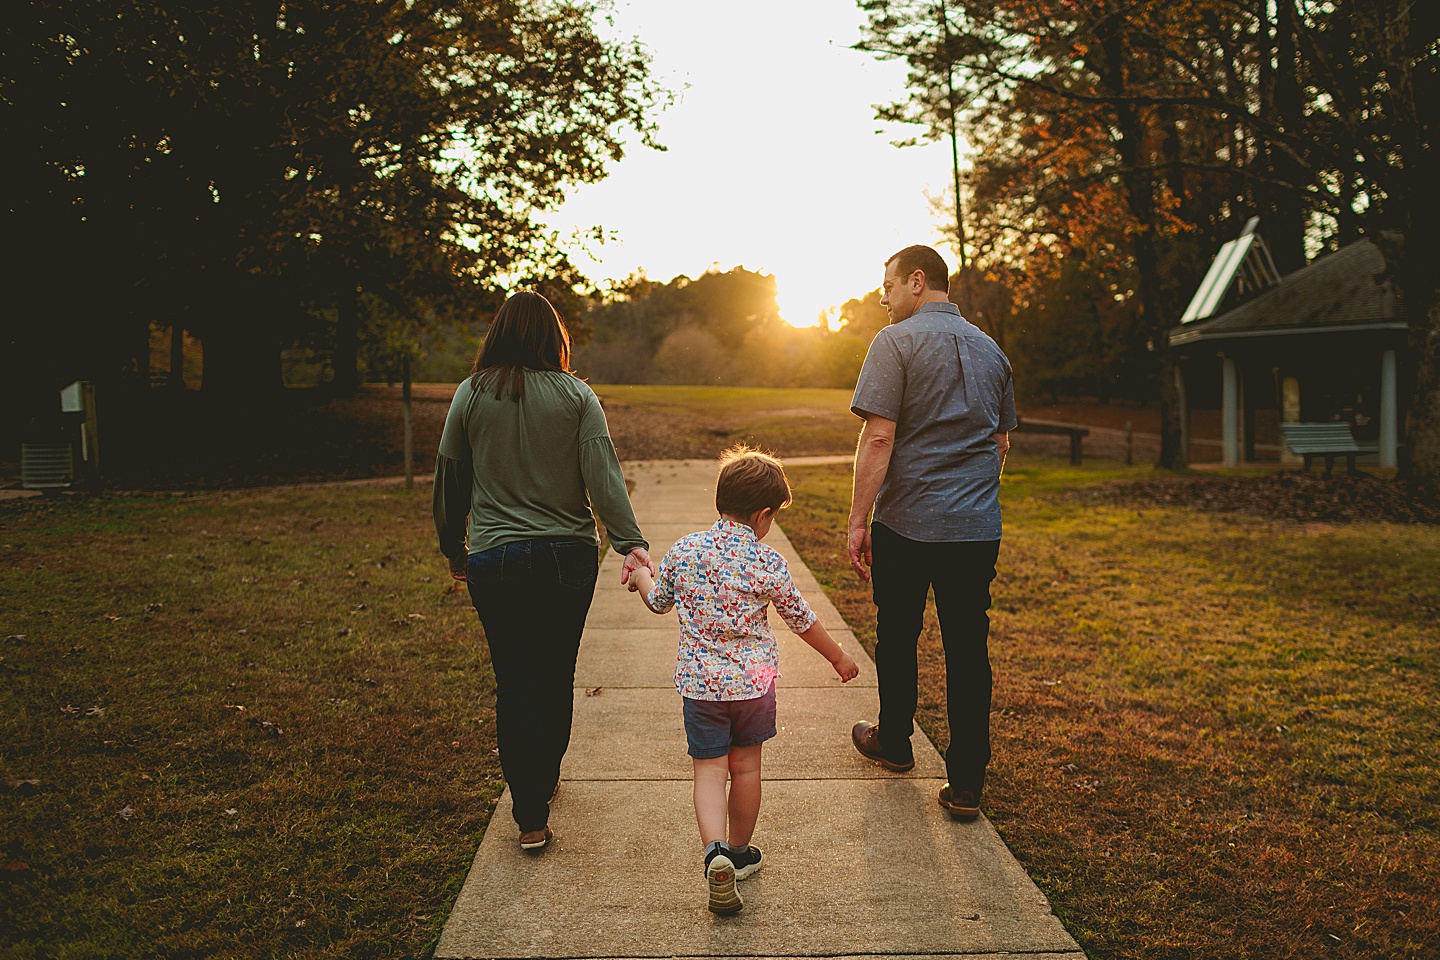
964	807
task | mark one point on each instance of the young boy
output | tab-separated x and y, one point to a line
722	579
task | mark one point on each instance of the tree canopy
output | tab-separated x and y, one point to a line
260	173
1118	144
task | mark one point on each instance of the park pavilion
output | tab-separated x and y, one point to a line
1321	345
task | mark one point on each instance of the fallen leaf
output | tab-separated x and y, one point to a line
153	607
231	811
416	616
95	712
593	691
345	632
234	706
69	709
16	866
127	813
16	638
24	786
108	616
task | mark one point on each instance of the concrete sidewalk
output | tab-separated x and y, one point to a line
858	862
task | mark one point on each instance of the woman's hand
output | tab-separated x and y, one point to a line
634	560
457	567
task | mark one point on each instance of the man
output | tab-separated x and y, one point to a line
936	396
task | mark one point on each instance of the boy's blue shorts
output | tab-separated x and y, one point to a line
712	727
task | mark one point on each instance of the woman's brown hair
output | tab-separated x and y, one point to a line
526	334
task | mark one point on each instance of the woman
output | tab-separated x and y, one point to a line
525	453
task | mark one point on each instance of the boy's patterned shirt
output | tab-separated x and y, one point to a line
721	580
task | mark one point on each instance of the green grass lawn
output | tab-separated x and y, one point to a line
1214	735
255	724
261	724
682	422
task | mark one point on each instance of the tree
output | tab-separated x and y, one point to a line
1148	126
254	167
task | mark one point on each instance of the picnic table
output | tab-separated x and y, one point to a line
1076	434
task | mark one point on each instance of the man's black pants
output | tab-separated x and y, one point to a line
960	571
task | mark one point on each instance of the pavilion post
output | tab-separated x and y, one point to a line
1389	412
1230	414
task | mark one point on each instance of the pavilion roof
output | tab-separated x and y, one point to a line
1342	291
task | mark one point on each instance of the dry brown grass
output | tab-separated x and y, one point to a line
1215	736
255	724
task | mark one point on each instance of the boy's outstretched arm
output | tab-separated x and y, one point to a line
819	638
642	582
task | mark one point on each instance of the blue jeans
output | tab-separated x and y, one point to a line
532	597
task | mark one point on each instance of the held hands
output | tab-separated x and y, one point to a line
641	582
634	560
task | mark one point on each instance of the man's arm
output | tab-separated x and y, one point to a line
872	461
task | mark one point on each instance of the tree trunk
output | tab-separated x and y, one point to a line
1139	182
242	352
345	361
177	355
1287	230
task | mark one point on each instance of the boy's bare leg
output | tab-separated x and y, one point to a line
744	793
711	810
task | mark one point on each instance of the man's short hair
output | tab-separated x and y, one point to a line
925	259
749	482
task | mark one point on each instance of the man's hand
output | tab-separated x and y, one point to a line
634	560
872	462
457	567
860	558
1002	447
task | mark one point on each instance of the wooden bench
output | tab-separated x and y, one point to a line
1328	440
1076	434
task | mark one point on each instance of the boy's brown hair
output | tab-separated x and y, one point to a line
749	482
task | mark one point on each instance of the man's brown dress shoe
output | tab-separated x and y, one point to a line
866	737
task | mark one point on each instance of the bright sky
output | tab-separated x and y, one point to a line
774	162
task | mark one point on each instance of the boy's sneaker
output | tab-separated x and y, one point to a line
720	878
746	860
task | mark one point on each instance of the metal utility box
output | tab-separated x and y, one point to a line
48	456
46	466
